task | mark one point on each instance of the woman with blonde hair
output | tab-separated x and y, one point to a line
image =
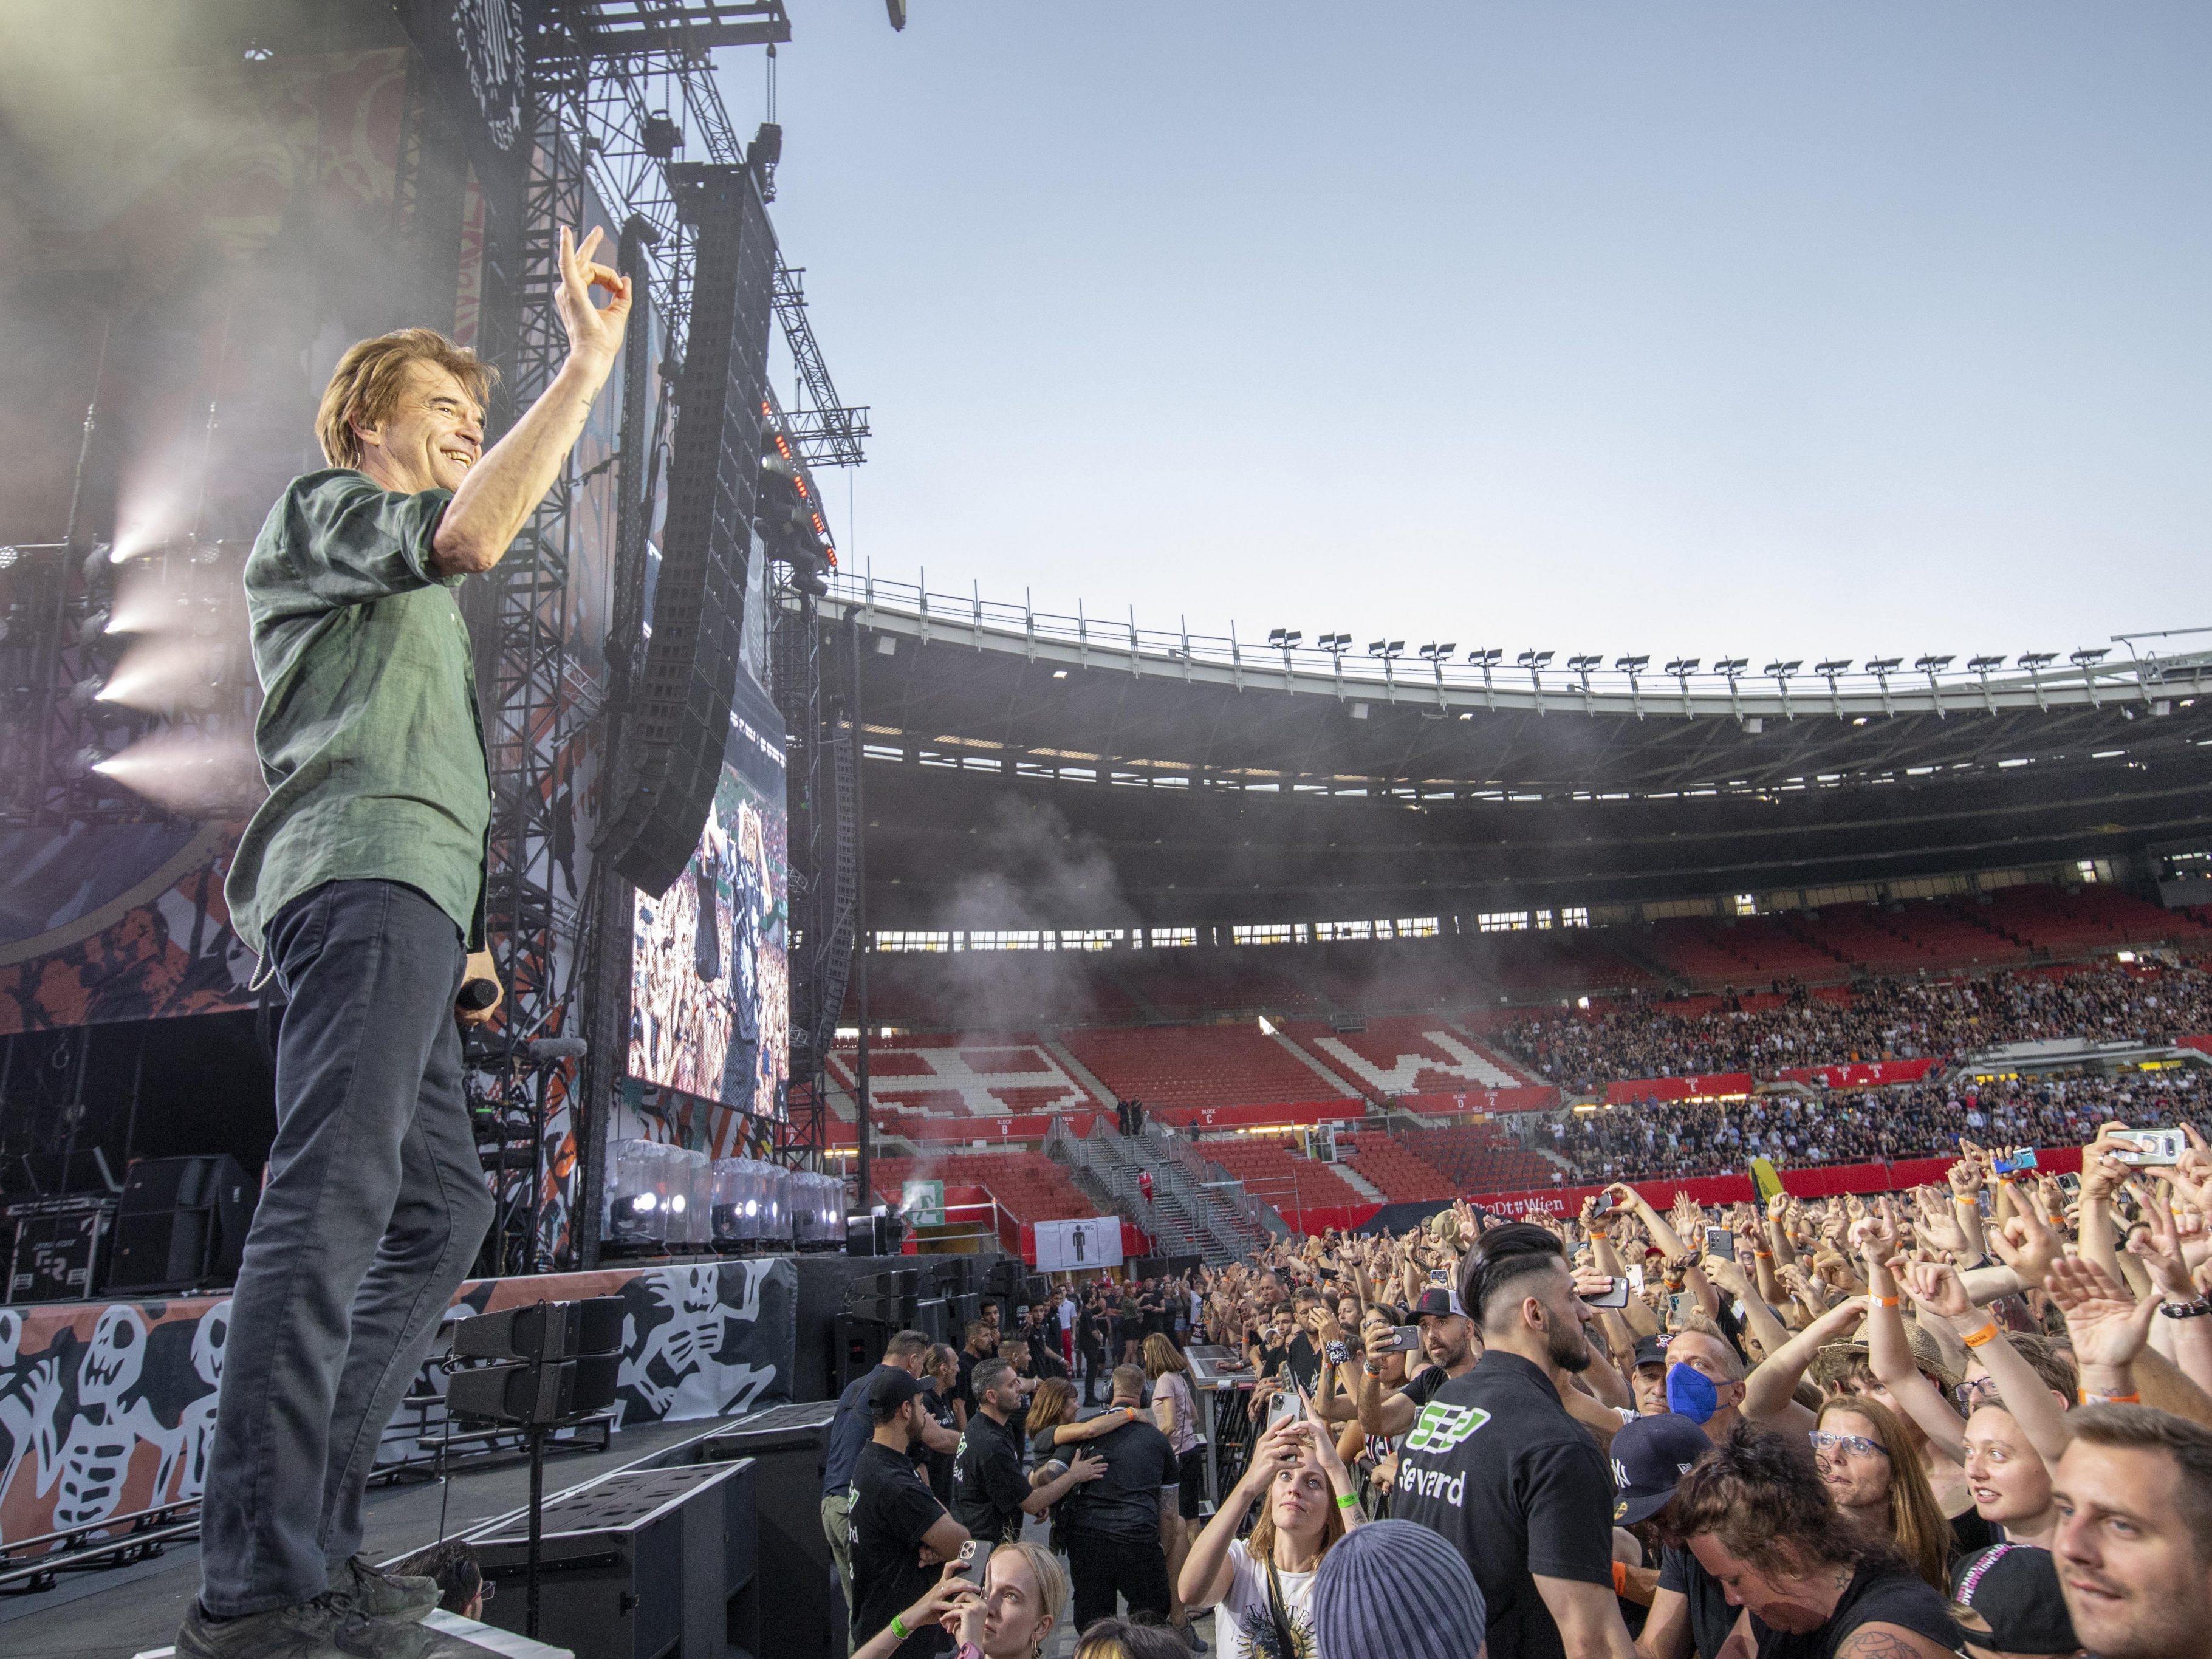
1263	1586
1866	1459
1052	1422
1010	1617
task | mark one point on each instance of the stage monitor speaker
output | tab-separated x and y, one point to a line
637	1564
678	721
181	1223
788	1446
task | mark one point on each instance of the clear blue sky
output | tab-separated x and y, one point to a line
1843	329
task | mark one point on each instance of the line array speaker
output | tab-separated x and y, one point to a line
678	721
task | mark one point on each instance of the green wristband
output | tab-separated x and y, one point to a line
899	1629
1348	1500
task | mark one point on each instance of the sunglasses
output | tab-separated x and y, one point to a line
1826	1440
1974	1392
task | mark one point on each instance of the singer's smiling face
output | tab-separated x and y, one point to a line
431	440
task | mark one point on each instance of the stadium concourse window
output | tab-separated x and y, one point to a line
908	941
1092	939
1012	939
1503	921
1326	933
1270	933
1167	937
1410	928
1747	904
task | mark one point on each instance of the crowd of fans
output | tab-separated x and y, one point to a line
1970	1417
1657	1140
1881	1019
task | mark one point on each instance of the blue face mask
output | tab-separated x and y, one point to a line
1690	1393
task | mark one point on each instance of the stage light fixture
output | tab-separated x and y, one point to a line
659	137
8	554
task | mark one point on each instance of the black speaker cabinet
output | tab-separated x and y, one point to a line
181	1223
642	1564
788	1446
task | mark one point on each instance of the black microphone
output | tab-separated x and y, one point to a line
476	995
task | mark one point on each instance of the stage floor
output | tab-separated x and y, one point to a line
113	1615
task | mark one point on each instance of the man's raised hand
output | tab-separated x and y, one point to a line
594	334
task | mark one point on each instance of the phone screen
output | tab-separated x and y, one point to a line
2147	1145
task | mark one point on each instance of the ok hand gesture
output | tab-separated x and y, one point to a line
595	336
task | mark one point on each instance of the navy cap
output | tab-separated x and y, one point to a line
892	1390
1650	1455
1650	1351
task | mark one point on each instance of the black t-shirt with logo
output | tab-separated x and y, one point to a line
892	1511
1124	1503
988	1487
1303	1362
1495	1464
1875	1595
1712	1618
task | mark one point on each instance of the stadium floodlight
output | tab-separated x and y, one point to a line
1632	666
1584	662
1485	655
1439	654
1533	660
1730	666
1833	666
1782	670
1983	665
1931	665
1285	638
1386	649
2089	657
2032	661
1881	665
1335	644
1683	665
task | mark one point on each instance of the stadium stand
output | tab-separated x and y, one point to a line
1751	950
1402	1176
1405	1054
978	1076
1276	1174
1199	1065
1029	1186
1481	1158
2062	923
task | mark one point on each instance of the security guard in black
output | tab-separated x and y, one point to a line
988	1487
1495	1464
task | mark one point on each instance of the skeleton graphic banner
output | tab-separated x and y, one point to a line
108	1410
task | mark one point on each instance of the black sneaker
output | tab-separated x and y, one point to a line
307	1630
358	1586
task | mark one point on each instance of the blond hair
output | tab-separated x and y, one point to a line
1044	1567
366	386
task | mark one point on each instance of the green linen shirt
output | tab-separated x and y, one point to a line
368	736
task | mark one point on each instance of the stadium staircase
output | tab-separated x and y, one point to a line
1195	1208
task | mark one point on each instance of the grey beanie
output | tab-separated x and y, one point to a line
1394	1590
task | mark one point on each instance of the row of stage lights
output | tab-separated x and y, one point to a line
1439	654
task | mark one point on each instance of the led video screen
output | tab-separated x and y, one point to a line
710	977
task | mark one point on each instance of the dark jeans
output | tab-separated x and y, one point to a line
374	1209
1100	1566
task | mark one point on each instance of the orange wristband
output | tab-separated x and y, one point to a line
1982	1338
2091	1398
1621	1578
1874	1300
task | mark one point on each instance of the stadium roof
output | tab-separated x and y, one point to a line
1222	783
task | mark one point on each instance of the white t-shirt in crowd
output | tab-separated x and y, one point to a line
1066	1312
1244	1606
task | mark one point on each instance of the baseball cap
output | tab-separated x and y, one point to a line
1650	1455
1438	1300
2007	1597
892	1390
1651	1350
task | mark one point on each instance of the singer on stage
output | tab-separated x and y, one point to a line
361	883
